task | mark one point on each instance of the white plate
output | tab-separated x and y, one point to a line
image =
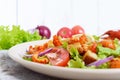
18	51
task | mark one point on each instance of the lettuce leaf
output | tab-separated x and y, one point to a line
76	61
104	52
12	36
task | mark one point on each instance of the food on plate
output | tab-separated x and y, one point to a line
108	43
77	51
58	57
115	63
12	35
89	57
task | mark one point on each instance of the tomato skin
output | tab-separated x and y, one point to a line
61	59
64	32
77	30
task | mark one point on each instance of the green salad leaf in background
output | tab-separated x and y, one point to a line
12	36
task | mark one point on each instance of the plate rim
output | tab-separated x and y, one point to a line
74	70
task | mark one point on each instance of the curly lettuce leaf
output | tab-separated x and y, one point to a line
104	52
12	36
76	61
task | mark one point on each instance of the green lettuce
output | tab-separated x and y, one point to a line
104	52
12	36
76	59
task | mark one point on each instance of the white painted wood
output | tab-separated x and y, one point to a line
95	16
58	13
7	12
85	13
109	15
30	13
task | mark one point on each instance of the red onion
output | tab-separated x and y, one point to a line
44	31
99	62
45	52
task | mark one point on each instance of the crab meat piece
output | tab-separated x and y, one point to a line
112	34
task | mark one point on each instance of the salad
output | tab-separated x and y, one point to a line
78	51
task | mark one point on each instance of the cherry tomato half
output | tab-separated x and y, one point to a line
77	30
60	57
65	32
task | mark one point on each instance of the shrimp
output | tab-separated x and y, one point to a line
56	41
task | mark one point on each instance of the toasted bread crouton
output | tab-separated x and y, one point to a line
89	57
77	46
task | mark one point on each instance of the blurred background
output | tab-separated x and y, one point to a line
95	16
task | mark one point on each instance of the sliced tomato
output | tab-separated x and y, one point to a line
65	32
77	30
60	57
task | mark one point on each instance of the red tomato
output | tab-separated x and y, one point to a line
65	32
59	57
77	30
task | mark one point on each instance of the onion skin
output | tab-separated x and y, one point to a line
45	52
99	62
44	31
